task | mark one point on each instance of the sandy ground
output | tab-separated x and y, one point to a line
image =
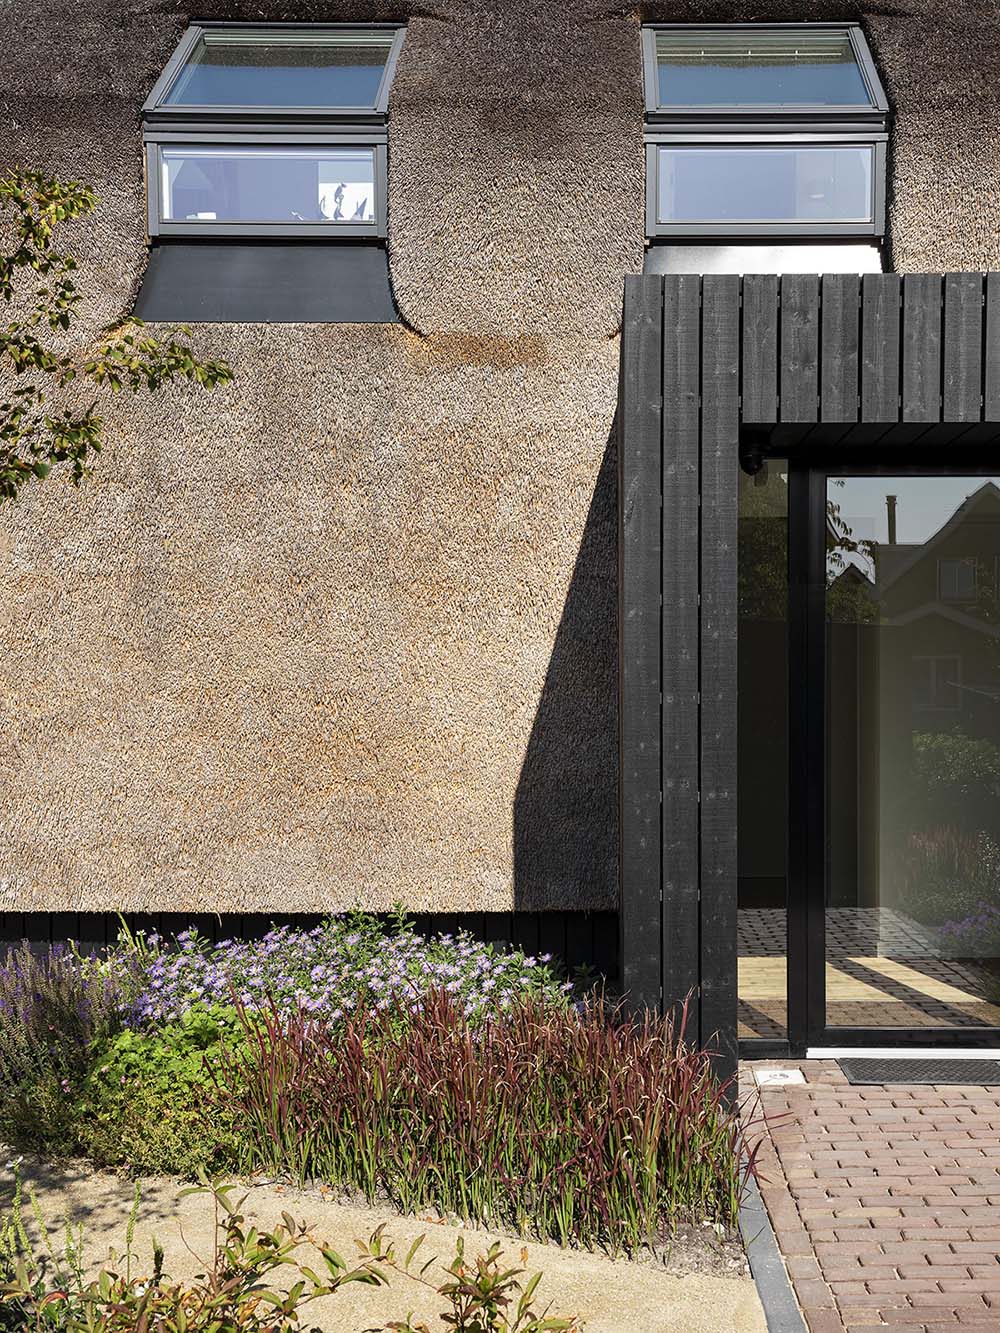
610	1296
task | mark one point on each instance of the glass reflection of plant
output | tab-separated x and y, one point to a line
763	554
948	863
851	568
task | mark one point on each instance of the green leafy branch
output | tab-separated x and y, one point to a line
36	279
484	1296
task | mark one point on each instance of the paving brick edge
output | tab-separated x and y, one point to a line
781	1310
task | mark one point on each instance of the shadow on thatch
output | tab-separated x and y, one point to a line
566	805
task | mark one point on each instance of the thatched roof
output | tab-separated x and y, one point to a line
346	630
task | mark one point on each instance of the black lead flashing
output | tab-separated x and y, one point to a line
245	283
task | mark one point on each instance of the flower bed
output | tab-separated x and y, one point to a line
436	1072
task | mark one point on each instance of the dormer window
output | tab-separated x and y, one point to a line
254	130
266	170
763	130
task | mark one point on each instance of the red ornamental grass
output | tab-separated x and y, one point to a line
592	1127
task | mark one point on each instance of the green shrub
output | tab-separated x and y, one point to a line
955	780
150	1103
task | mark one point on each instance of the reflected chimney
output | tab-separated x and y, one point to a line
890	505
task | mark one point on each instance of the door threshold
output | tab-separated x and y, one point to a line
902	1052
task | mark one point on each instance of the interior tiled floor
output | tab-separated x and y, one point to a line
883	970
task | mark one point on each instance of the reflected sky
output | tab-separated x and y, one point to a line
923	506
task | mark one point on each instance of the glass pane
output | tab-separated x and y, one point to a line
762	747
291	185
913	704
273	68
795	67
731	185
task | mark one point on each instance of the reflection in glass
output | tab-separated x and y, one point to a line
758	184
289	185
913	751
762	750
793	67
268	67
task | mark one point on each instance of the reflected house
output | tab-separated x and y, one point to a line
913	657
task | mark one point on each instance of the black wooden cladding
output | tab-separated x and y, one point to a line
578	939
680	681
808	360
640	630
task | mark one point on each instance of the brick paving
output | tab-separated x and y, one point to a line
885	1201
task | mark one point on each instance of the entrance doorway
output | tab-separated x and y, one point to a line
869	755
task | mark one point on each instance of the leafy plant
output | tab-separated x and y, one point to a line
944	873
36	1271
344	965
976	935
149	1102
587	1126
955	780
482	1295
233	1295
36	280
254	1282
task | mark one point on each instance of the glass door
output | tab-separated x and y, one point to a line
894	739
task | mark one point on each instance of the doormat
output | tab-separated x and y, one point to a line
978	1073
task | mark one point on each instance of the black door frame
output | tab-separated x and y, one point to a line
807	806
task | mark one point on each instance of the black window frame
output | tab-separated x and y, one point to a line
269	126
755	125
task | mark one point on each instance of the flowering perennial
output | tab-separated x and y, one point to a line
345	965
975	936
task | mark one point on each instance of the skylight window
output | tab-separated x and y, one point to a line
258	130
271	68
740	67
763	130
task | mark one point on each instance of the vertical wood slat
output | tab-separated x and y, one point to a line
640	480
921	384
579	934
720	474
680	561
799	346
552	934
525	931
498	927
58	926
963	346
839	347
606	957
880	297
991	376
11	928
91	928
760	348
